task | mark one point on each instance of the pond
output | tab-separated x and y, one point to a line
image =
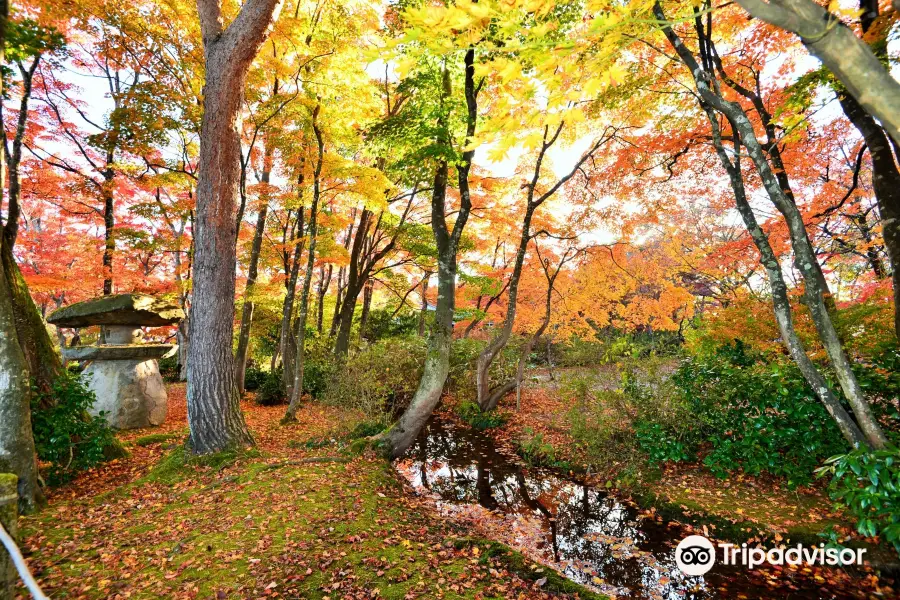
589	534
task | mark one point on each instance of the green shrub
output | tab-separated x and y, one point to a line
271	390
319	369
381	379
254	378
382	323
169	369
661	444
613	345
599	417
535	450
756	416
463	356
879	377
868	485
472	414
65	435
578	352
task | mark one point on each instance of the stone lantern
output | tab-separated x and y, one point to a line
123	371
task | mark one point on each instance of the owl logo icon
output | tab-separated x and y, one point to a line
695	555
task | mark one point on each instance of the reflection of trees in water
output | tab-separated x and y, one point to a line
463	465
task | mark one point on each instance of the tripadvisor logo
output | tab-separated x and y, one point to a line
696	555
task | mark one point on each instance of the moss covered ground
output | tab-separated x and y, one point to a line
285	520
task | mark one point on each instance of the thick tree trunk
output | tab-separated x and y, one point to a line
886	183
17	454
44	363
214	412
848	57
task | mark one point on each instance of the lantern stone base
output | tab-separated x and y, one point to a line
130	392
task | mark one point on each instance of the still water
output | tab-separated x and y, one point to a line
592	536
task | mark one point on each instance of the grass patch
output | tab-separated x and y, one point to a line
538	453
156	438
517	563
366	429
180	463
472	414
293	529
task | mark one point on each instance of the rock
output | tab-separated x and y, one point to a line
122	309
134	351
130	392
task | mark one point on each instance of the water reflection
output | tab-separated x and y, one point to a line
595	538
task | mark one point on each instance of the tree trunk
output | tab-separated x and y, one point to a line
11	229
320	296
366	307
886	183
345	320
424	310
9	520
356	278
17	454
183	345
437	362
288	336
109	240
43	362
486	400
299	360
780	301
214	412
806	260
338	296
243	348
805	256
848	57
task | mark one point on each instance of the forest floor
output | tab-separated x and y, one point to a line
298	517
764	505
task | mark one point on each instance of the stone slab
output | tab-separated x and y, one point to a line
121	309
118	352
